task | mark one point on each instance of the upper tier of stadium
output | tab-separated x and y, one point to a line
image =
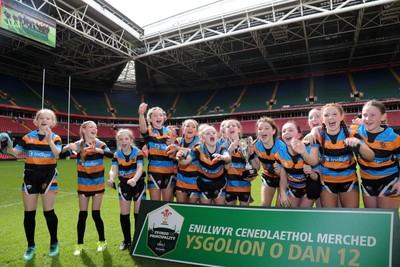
263	41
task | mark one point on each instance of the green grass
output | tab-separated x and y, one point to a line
13	242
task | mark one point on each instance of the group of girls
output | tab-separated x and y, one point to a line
206	166
319	168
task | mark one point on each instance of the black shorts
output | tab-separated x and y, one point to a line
270	182
40	181
160	181
380	187
127	192
296	192
241	196
211	188
335	188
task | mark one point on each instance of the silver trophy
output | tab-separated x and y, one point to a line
243	148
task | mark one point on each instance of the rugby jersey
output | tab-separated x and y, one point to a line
208	168
186	176
91	170
127	164
267	157
38	151
159	161
235	182
293	166
386	146
338	164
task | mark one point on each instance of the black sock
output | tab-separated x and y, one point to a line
52	223
29	225
126	227
99	224
136	218
81	225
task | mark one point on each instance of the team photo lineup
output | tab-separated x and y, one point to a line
209	166
134	126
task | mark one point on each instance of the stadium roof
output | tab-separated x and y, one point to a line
94	42
266	41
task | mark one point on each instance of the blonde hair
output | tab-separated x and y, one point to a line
83	126
186	122
148	115
83	140
48	111
203	128
125	131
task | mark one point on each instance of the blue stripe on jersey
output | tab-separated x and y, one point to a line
161	163
90	163
40	154
238	183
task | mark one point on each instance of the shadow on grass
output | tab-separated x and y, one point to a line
31	263
55	261
107	258
87	261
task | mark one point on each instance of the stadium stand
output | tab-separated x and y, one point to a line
376	84
7	124
105	131
19	92
190	102
255	97
332	88
57	97
223	100
292	92
162	100
93	101
125	102
243	64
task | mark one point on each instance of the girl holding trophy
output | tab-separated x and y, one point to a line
213	161
241	173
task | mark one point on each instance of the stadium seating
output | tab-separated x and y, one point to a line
7	124
190	102
292	92
376	84
223	100
393	118
94	102
57	97
20	93
162	100
125	102
332	88
105	132
255	97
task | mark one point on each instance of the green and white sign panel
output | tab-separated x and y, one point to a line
255	236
